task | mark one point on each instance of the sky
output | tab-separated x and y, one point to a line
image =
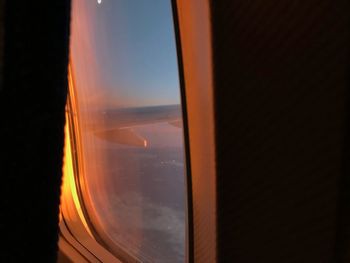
124	52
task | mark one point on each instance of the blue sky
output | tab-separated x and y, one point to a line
133	50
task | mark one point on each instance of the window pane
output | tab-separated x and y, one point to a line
124	66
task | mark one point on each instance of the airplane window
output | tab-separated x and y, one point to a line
126	90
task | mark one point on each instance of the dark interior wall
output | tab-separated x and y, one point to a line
32	102
2	14
281	75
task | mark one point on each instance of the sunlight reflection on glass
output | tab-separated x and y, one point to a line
123	58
